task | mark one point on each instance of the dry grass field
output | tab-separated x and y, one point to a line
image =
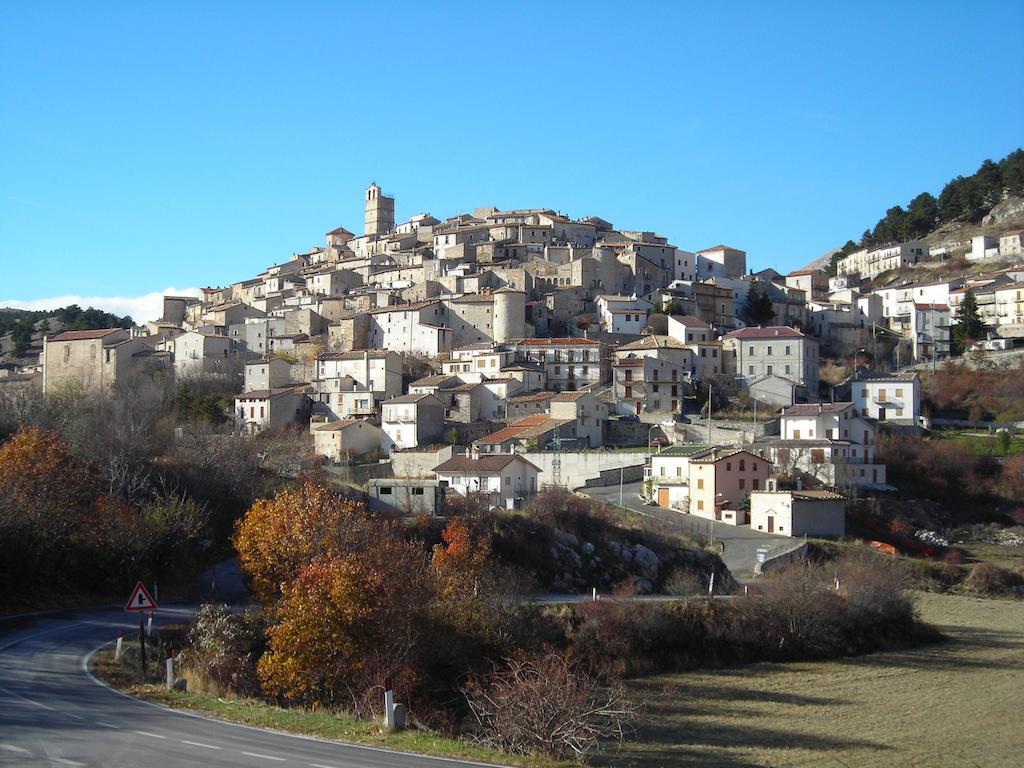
955	704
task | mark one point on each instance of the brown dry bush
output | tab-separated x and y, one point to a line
991	579
547	705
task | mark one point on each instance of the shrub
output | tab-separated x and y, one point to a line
547	705
990	579
223	648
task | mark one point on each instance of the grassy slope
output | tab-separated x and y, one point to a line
320	723
952	704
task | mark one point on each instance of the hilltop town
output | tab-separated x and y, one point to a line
501	352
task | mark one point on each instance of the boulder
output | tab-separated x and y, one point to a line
646	562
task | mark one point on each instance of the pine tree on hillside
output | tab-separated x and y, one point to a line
757	309
969	325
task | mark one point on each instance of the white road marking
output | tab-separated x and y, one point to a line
106	725
198	744
24	698
151	735
72	714
320	765
264	757
12	748
64	761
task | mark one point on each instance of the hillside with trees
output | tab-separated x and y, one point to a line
963	200
24	325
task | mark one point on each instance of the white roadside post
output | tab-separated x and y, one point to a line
389	705
149	625
711	584
120	643
593	595
170	670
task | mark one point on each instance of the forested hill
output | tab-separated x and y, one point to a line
23	324
965	199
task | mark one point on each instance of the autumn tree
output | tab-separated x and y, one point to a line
43	488
279	536
345	622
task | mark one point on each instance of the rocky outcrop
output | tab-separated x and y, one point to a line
1009	212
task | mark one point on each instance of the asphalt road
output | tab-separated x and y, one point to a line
739	543
53	713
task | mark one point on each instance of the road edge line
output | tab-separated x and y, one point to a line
185	713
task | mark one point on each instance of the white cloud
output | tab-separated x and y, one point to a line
148	306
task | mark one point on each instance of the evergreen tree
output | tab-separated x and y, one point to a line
969	325
757	309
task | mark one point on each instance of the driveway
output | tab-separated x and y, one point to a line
739	543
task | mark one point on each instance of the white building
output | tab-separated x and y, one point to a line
372	370
347	440
507	479
267	373
199	354
983	247
413	420
819	513
779	350
271	408
887	397
721	261
622	314
1012	243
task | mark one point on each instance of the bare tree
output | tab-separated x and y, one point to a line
548	705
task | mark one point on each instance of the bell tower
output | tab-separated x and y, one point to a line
380	211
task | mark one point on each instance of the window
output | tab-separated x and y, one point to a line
750	370
899	392
700	504
769	350
743	465
385	490
750	351
769	369
728	466
743	483
757	484
787	349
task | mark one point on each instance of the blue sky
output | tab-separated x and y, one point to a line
181	144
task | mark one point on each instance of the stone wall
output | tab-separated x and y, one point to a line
581	468
419	463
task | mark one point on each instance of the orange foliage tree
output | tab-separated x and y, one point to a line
43	490
278	536
347	621
460	559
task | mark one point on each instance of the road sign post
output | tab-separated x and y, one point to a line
142	650
140	602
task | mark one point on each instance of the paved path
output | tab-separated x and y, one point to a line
52	713
739	543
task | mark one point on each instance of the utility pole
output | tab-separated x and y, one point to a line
710	394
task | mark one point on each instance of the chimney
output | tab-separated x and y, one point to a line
475	453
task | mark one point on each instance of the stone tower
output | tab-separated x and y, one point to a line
380	211
509	314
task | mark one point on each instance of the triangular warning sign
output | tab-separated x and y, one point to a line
140	600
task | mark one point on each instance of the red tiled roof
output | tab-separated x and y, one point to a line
770	332
487	462
569	342
83	335
814	409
